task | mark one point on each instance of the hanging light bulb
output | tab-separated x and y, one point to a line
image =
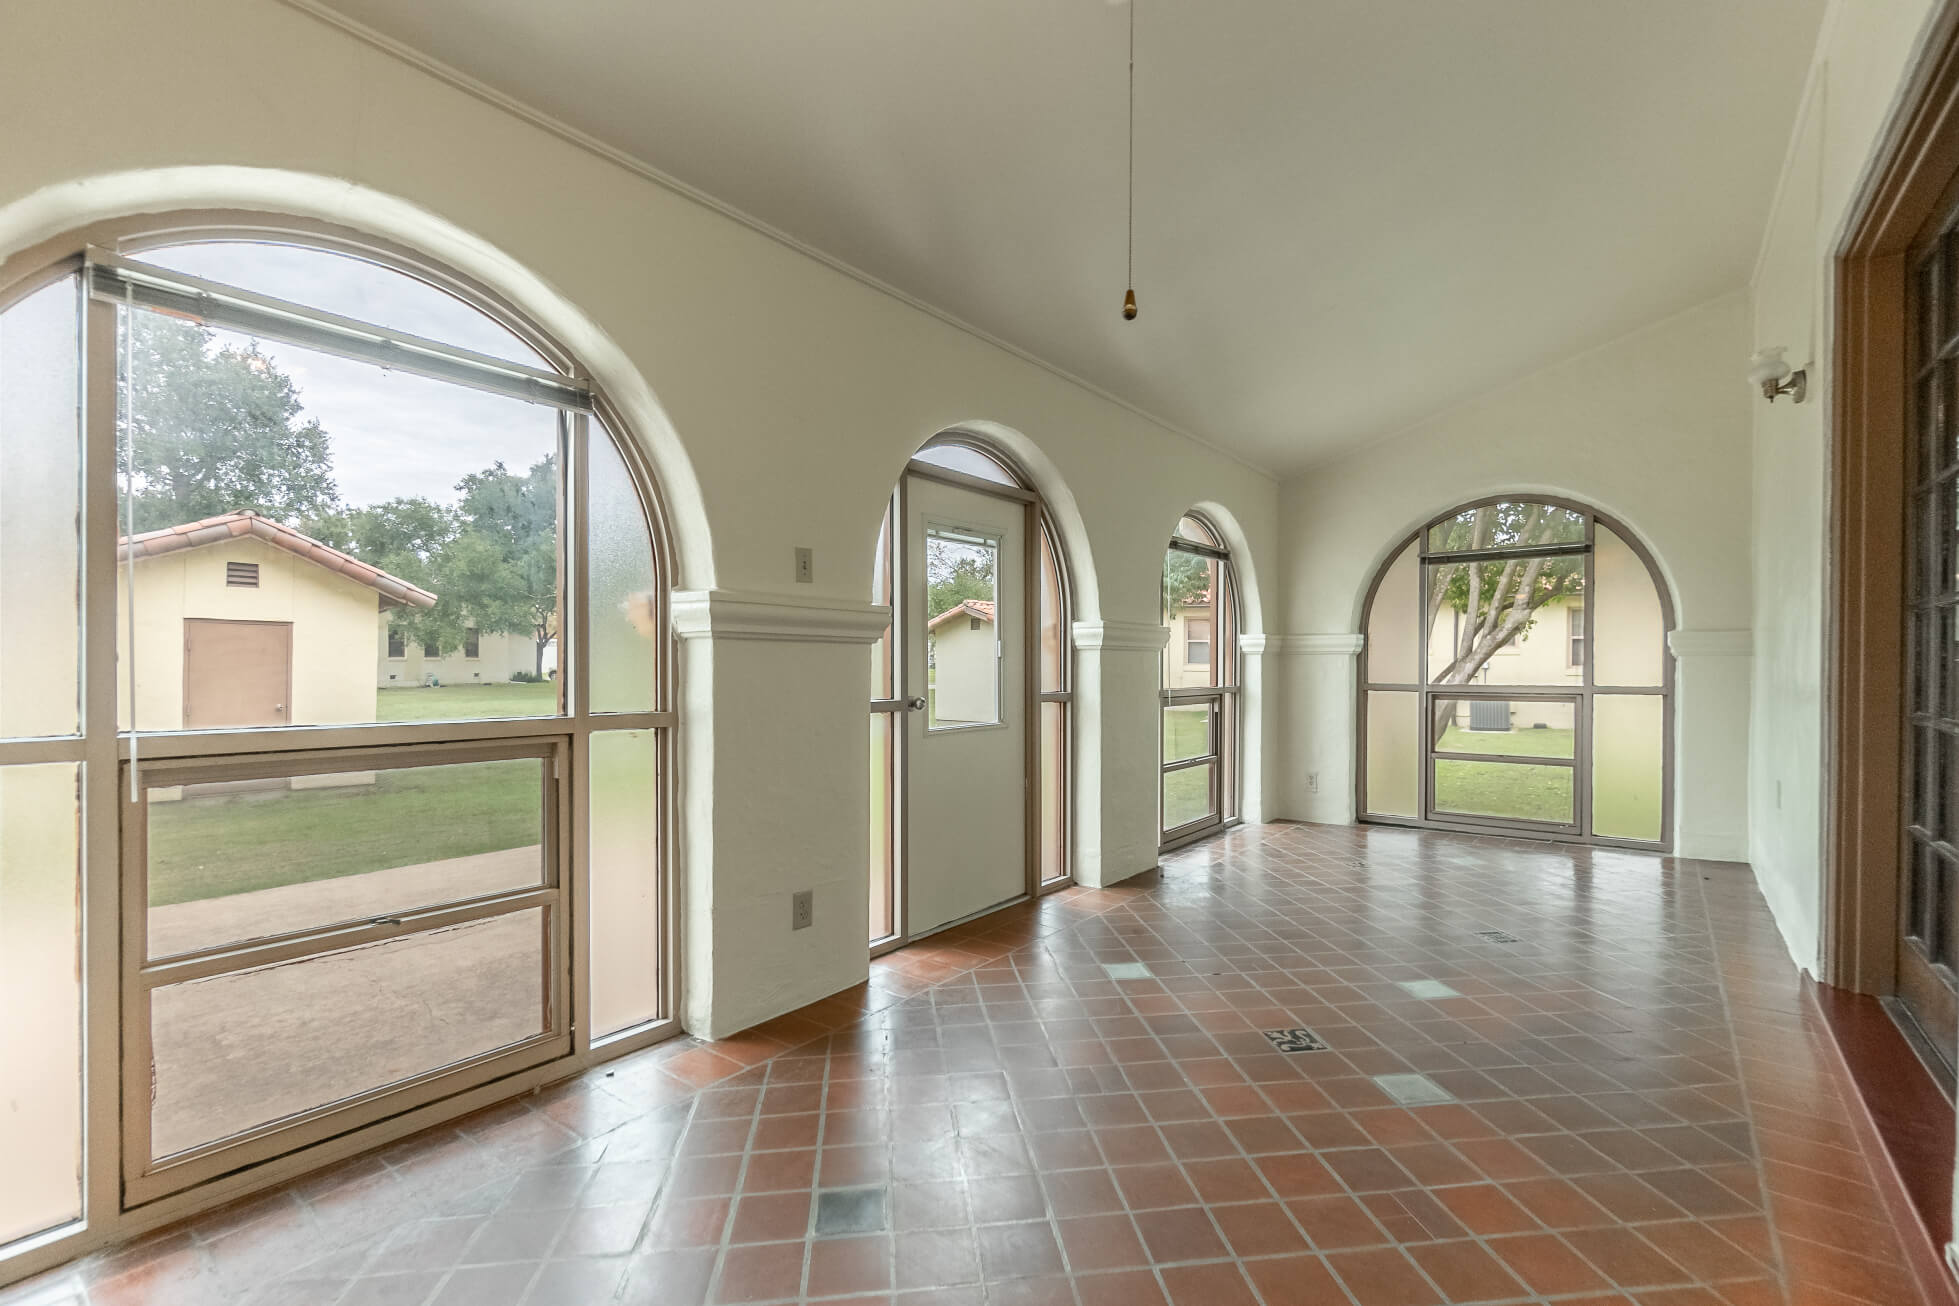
1129	296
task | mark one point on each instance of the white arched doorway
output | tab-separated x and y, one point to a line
972	693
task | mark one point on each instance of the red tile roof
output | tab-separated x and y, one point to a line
394	591
981	608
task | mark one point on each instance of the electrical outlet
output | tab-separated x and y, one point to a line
1312	782
805	566
802	910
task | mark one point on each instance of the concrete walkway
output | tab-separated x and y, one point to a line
242	1050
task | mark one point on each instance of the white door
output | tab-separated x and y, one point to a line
966	675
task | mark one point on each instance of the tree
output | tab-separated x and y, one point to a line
409	538
502	567
956	573
1186	578
214	429
1497	599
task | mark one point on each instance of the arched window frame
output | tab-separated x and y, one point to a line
1222	755
117	1177
1588	691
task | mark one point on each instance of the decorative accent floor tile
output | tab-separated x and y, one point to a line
1121	970
1295	1040
1497	936
850	1210
1427	989
1414	1090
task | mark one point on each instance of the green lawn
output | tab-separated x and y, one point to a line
1517	743
209	845
1186	793
1531	793
212	844
466	702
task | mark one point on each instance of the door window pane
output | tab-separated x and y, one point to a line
1187	730
1393	745
247	859
41	1019
1628	760
1054	634
1392	623
1515	791
374	503
883	668
883	860
622	612
1628	628
1187	795
962	638
1054	791
246	1049
40	513
625	879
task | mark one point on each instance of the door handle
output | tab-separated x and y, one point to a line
914	705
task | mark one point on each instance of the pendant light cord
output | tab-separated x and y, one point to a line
1130	271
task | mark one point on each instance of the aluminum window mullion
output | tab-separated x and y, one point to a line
1512	759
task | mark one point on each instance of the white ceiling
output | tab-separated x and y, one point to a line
1350	213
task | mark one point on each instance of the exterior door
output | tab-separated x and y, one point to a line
966	663
1928	865
237	673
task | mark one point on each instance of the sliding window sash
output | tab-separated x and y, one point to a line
124	281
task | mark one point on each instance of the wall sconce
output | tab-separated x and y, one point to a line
1770	371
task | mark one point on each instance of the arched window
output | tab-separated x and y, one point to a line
1516	676
348	672
960	615
1199	791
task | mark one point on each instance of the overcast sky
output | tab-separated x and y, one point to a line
393	435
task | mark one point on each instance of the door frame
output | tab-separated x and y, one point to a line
898	705
1864	600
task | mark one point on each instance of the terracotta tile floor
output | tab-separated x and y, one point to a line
1639	1110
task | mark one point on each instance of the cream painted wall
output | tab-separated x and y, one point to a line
1652	430
1862	60
777	398
333	620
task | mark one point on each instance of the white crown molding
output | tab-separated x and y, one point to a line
1321	646
510	104
1711	643
784	618
1135	636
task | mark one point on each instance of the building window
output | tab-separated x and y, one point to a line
242	574
471	646
1197	641
397	644
1575	636
430	649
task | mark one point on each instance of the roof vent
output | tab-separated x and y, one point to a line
241	573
